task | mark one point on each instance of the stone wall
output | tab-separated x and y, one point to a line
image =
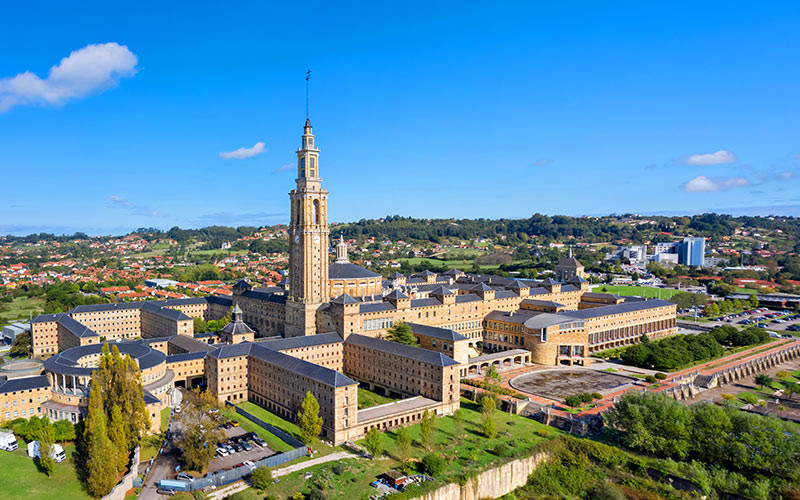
118	492
492	483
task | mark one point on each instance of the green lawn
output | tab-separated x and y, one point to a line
367	399
21	308
20	478
272	440
349	479
165	413
639	291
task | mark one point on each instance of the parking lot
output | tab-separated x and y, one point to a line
238	438
783	321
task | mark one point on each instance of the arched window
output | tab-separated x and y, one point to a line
317	212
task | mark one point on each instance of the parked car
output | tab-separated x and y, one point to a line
223	452
184	476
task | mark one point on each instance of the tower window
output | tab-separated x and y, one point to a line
302	167
317	213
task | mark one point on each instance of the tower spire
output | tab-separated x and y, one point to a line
308	77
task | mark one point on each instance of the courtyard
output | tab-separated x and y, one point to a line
556	384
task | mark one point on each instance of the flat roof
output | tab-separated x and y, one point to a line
392	408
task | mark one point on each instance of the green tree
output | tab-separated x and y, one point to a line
101	463
458	424
488	408
762	380
434	464
426	429
116	433
711	310
309	419
401	333
752	302
198	432
262	478
21	346
374	442
403	440
46	438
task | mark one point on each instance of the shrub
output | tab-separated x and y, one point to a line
261	478
660	376
749	398
500	449
606	491
433	464
650	379
542	433
597	395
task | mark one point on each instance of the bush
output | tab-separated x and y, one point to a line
650	379
542	433
500	449
606	491
433	464
597	395
660	376
261	478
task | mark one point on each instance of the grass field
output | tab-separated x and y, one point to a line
349	479
367	399
21	480
20	309
165	413
639	291
272	440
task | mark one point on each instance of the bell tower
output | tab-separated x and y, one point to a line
308	242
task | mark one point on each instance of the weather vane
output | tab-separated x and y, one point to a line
308	76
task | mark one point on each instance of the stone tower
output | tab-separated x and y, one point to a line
308	242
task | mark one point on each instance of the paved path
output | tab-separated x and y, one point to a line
230	489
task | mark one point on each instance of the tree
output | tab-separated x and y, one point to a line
46	438
426	429
433	463
403	443
101	463
374	442
753	301
728	398
21	345
116	433
262	477
309	419
488	408
458	424
783	374
711	310
762	380
401	333
198	433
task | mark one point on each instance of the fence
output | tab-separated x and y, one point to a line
228	476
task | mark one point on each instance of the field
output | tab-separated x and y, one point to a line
639	291
349	479
21	480
20	309
272	440
367	399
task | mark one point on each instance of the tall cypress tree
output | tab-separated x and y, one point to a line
101	463
116	433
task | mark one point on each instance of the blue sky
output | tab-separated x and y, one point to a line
490	109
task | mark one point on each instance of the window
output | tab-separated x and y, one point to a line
302	167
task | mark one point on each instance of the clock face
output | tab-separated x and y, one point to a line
316	238
297	239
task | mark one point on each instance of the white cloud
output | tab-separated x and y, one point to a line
703	184
90	70
243	153
284	167
541	162
785	175
716	158
134	209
